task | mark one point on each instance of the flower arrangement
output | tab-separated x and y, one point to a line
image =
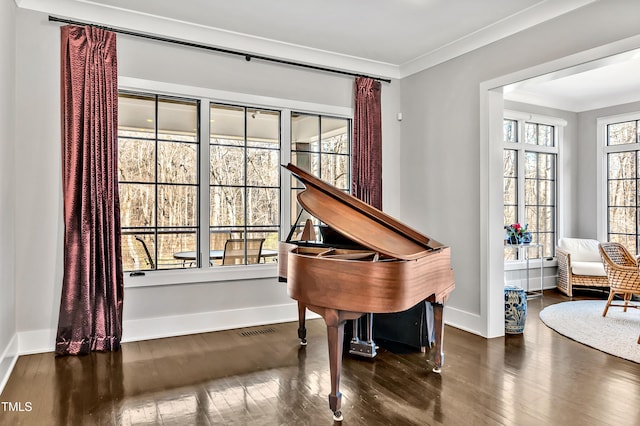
517	234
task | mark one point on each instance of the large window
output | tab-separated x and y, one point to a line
529	178
158	173
244	167
197	174
622	153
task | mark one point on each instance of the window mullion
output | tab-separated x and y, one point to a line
636	200
285	158
204	187
521	211
245	183
320	165
157	192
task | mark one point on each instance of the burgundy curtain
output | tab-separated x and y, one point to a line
367	142
92	288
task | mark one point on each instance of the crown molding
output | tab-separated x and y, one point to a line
186	31
89	11
537	14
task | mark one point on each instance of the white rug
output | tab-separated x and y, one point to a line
616	334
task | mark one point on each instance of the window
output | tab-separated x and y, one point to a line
197	174
622	156
244	164
529	179
158	151
320	145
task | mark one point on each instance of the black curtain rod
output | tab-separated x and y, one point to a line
247	56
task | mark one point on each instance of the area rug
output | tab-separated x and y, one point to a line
616	334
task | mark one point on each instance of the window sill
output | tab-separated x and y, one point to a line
213	274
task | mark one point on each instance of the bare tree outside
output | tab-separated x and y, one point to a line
320	145
622	184
158	179
530	172
161	196
244	175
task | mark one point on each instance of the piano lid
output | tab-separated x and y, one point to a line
359	221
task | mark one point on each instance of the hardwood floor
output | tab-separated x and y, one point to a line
262	376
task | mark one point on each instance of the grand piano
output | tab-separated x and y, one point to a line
378	265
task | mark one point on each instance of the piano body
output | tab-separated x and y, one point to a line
389	267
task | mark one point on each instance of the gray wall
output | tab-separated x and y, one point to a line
157	310
7	189
440	133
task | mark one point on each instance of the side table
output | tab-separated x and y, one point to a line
525	248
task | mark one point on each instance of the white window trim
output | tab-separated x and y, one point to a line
536	118
236	98
206	95
559	124
201	275
601	166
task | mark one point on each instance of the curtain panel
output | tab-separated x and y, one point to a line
92	288
367	142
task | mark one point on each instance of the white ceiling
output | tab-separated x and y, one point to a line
388	31
611	81
386	38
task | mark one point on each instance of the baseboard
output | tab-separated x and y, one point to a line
8	361
178	325
39	341
463	320
36	341
155	328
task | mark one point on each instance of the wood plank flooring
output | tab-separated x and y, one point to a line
262	376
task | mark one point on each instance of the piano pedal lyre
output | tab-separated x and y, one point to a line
360	347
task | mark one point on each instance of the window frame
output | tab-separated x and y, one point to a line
245	229
521	149
297	186
206	97
602	168
157	139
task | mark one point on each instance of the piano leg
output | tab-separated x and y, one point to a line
302	330
335	321
335	336
438	329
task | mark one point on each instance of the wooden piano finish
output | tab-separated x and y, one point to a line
395	269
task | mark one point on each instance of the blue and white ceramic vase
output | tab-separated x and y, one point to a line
515	309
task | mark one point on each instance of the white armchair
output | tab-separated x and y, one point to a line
579	264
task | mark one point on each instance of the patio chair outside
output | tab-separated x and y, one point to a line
144	258
234	251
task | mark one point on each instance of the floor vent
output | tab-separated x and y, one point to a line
258	332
